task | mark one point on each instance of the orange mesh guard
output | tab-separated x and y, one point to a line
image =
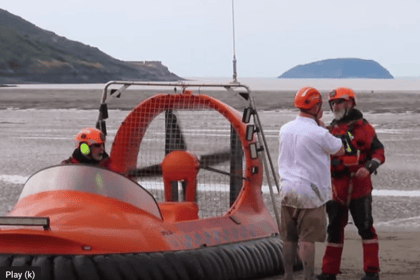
125	148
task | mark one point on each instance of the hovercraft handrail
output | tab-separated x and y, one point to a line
103	110
182	85
26	221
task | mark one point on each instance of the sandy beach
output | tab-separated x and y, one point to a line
399	254
399	245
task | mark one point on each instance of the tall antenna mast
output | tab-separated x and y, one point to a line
234	54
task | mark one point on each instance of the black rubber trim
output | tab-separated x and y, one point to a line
243	260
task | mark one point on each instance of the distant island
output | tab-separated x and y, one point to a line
339	68
29	54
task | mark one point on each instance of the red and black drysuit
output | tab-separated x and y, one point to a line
78	157
351	193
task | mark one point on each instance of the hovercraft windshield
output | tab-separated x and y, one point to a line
91	179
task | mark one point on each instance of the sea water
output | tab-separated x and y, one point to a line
406	84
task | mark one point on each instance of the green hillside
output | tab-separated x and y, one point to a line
29	54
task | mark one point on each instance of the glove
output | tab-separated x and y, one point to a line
372	165
335	162
346	138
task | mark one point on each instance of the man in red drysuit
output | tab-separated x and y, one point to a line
352	185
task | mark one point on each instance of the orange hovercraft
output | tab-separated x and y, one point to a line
186	201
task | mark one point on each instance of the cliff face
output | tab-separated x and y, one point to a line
29	54
339	68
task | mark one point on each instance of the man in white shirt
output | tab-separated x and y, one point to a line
304	169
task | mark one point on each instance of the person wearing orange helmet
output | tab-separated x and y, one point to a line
305	147
90	148
352	185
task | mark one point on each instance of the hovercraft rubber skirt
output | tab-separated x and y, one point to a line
244	260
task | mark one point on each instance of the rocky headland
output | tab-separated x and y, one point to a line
29	54
339	68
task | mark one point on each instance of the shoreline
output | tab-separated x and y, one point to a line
21	98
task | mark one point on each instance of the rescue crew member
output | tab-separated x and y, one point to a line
305	147
352	185
90	148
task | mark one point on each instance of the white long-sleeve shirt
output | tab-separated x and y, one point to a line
304	163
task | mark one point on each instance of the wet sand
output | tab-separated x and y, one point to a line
399	254
399	247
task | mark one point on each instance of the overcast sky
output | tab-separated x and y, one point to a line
194	38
